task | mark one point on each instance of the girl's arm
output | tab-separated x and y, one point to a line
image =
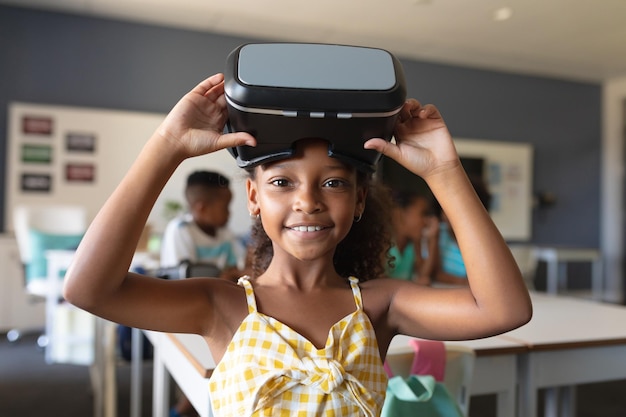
98	280
496	299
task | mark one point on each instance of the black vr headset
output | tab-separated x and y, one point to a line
283	92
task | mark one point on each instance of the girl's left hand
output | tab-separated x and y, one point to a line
423	143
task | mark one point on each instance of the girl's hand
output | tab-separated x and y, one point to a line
195	125
423	144
431	231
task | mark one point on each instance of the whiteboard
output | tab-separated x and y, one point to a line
509	173
72	155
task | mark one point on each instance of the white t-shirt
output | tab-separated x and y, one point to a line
184	240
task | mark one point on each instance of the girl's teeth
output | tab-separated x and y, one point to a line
307	228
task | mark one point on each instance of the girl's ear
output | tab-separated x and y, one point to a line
361	196
252	193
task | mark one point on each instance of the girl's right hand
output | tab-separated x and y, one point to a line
195	124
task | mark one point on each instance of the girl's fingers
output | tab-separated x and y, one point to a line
230	140
206	85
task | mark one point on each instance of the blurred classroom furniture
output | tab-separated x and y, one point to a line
557	258
495	367
46	236
19	311
570	341
40	228
452	364
187	359
78	337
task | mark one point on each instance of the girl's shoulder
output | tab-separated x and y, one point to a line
383	282
382	289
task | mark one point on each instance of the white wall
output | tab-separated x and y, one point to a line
120	135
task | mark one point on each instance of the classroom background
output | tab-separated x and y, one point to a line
575	128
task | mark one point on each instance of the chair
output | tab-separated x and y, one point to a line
187	269
459	373
39	229
526	260
451	364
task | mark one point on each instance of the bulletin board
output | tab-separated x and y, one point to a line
509	174
72	155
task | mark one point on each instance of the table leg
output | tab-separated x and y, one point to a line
552	276
135	372
597	283
562	267
560	402
505	404
97	370
527	400
110	368
551	405
567	401
161	386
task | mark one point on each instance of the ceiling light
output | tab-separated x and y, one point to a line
503	13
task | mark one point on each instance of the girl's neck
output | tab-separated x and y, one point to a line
402	242
303	275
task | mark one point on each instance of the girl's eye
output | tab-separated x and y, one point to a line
280	182
334	183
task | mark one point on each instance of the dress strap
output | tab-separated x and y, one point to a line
356	292
245	282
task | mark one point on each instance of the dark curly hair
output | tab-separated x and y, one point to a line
364	251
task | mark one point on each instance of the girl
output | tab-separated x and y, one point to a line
415	237
270	332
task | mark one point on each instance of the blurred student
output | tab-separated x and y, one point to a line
415	231
201	235
450	267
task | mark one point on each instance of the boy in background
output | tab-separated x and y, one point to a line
201	235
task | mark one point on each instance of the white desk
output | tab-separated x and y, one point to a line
557	258
495	370
188	360
570	341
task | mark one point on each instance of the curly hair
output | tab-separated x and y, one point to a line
363	253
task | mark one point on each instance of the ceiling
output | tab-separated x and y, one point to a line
570	39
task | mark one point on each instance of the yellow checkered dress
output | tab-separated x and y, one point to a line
271	370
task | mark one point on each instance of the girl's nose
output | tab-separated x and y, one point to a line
307	200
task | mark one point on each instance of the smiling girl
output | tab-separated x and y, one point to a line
309	330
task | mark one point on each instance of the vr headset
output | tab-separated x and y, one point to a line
283	92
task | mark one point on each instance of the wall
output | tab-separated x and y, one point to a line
614	159
53	58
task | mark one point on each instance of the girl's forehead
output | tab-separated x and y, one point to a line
310	152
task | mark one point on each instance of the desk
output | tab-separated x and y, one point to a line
556	259
189	362
570	341
495	369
